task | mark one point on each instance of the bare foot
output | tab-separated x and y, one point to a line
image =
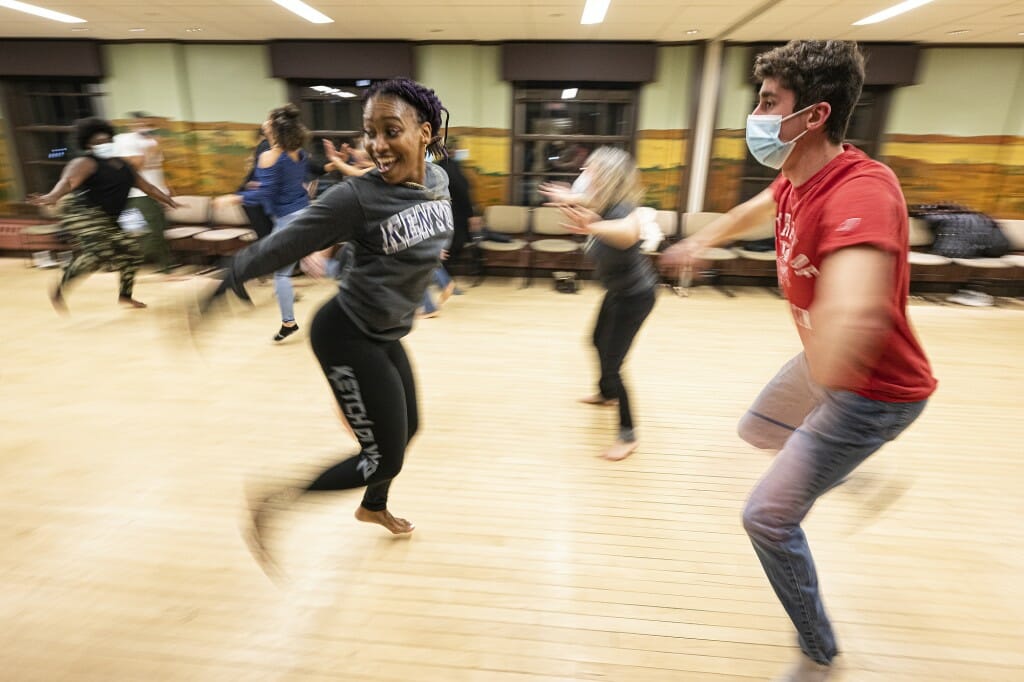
619	450
262	507
423	315
598	399
446	293
384	518
130	302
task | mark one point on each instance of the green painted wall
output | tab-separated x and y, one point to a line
736	94
199	83
962	92
467	79
666	103
145	77
232	83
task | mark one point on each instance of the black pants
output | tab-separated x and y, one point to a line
259	221
618	322
372	382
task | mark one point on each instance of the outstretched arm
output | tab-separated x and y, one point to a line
75	173
737	222
620	233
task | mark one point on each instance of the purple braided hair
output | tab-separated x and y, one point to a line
425	101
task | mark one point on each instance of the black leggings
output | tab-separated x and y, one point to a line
372	382
618	322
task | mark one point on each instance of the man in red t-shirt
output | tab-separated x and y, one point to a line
841	248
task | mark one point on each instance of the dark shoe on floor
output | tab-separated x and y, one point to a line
285	331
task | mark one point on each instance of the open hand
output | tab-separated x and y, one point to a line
40	200
558	192
579	218
685	254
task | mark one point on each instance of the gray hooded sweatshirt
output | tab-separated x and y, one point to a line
395	234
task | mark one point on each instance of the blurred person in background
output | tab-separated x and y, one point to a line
98	182
259	221
463	210
278	186
602	205
141	148
841	234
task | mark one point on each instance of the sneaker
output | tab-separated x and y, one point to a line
976	299
285	331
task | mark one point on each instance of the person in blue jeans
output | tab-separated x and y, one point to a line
447	287
841	234
278	186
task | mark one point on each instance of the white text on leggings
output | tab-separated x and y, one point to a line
344	381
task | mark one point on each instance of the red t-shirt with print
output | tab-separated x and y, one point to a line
852	201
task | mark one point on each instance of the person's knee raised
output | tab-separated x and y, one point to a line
757	432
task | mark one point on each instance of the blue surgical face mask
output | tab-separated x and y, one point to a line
763	138
104	150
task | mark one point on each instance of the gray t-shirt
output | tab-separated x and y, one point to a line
623	271
395	234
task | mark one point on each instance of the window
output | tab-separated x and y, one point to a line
552	135
330	108
864	132
41	114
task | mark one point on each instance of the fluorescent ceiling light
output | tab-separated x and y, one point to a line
305	11
362	83
40	12
569	93
891	12
594	11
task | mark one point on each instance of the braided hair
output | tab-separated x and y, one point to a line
425	101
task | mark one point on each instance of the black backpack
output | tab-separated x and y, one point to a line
963	233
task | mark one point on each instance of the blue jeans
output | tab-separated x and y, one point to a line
441	279
822	435
283	277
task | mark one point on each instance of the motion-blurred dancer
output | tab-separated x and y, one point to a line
841	231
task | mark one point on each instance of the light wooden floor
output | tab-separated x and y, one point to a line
125	447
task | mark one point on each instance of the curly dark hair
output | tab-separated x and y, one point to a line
425	101
286	123
85	128
818	71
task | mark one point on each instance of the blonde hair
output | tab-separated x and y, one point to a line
614	179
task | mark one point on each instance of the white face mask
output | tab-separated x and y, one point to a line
461	155
103	151
763	138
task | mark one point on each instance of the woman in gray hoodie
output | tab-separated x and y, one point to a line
396	219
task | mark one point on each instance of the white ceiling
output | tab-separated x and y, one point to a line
986	21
